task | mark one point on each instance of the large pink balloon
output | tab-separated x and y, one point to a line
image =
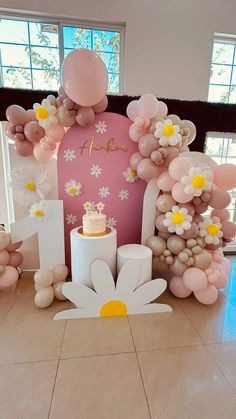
223	214
195	279
85	116
208	295
147	170
147	144
132	110
16	259
225	176
8	277
84	77
16	115
33	131
179	195
180	167
101	106
165	182
178	288
162	110
24	148
148	106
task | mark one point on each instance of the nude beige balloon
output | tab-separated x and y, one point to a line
202	260
44	297
165	202
176	244
177	267
159	266
157	245
57	288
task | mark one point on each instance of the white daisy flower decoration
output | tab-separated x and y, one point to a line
69	155
109	299
167	133
123	194
210	231
197	181
88	206
40	211
111	222
29	184
101	127
104	192
130	175
178	220
45	113
96	170
73	188
100	206
71	219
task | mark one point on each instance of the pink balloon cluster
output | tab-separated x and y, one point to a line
48	284
10	260
188	241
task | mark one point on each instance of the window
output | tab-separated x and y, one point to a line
222	87
32	51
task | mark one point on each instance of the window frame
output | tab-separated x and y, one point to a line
83	24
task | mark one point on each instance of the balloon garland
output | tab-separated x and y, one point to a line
188	242
10	260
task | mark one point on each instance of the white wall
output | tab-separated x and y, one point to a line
168	42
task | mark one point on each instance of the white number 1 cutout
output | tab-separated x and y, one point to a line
50	234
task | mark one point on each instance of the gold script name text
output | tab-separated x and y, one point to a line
91	145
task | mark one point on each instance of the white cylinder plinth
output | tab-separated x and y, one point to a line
139	253
85	250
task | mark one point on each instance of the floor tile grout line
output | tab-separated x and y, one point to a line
10	308
57	368
140	372
194	327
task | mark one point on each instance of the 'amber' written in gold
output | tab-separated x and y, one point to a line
108	147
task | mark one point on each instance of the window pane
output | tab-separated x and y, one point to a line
46	79
45	34
114	82
220	74
222	53
76	38
111	61
218	93
15	31
45	58
17	78
232	95
15	55
107	41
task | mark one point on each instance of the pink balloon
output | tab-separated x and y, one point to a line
135	159
162	110
225	176
195	279
229	229
84	77
85	116
223	214
41	155
179	195
180	167
24	148
159	224
135	133
191	233
16	115
55	133
8	277
19	136
33	131
31	115
178	288
208	295
68	104
45	145
10	131
148	106
172	153
16	259
165	182
101	106
226	266
218	278
4	257
13	247
147	144
147	170
132	110
219	199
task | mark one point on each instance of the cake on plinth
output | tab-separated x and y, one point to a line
94	222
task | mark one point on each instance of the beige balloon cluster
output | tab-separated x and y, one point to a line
48	284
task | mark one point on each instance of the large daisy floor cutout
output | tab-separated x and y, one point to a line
108	299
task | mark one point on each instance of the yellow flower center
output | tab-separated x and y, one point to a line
133	173
113	308
213	229
42	113
31	186
168	130
198	181
38	213
177	218
73	190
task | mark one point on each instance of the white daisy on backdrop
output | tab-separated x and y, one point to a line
123	194
101	127
71	219
96	170
40	211
69	155
45	113
130	175
109	299
29	183
73	188
104	192
111	222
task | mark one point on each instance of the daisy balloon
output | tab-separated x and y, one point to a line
46	113
40	211
108	299
167	133
178	220
197	181
210	231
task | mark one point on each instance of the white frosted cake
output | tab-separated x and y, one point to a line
94	222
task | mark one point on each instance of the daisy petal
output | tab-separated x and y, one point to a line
102	278
148	291
126	283
150	308
80	295
76	313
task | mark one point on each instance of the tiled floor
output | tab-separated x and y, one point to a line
179	365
